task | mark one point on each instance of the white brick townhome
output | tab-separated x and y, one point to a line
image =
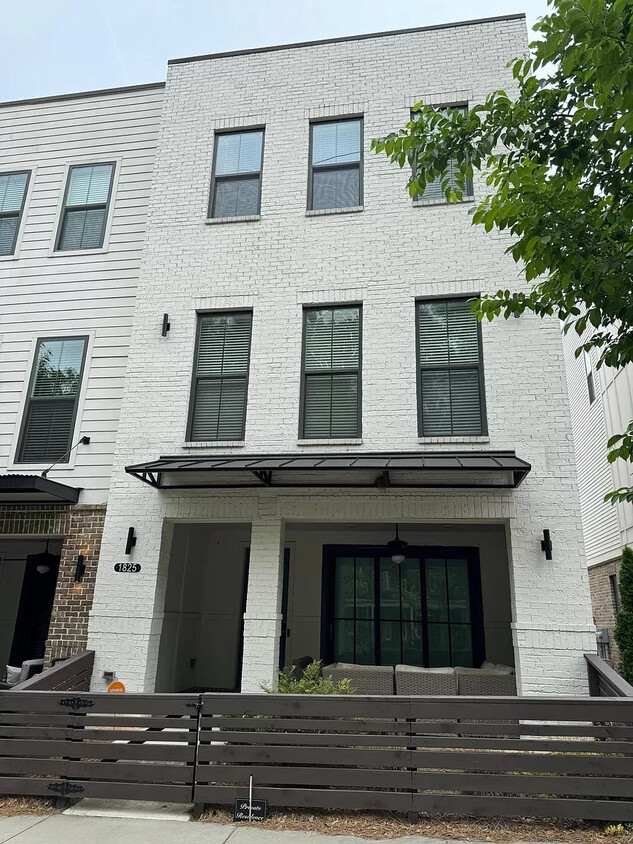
281	319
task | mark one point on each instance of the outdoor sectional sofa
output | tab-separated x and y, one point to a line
491	679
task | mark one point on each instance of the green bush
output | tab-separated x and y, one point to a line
311	683
624	619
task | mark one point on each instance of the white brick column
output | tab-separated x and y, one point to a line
262	620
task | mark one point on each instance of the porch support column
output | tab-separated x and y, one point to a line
262	619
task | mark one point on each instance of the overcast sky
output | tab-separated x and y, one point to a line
60	46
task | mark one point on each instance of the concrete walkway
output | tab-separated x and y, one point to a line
73	829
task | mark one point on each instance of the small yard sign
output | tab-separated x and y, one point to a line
117	687
253	810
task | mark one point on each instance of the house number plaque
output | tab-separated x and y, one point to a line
128	568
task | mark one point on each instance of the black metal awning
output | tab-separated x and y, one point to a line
33	489
490	469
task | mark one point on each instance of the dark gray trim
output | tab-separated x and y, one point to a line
345	166
194	378
482	383
242	130
7	214
359	370
343	38
24	486
80	95
29	399
95	206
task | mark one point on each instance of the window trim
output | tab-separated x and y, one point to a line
420	552
361	163
241	130
28	400
194	378
30	173
55	251
358	371
482	379
469	195
589	379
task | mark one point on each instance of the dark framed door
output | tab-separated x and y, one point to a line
426	611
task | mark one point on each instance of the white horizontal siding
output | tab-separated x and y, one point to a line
50	295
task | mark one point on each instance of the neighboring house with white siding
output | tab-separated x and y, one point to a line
75	175
318	385
601	402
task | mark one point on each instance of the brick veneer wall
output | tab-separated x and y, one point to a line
68	629
602	599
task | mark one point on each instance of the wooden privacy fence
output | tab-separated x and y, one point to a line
541	757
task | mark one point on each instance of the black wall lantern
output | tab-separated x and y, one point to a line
131	540
166	325
80	568
546	544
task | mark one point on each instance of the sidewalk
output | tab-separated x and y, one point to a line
68	829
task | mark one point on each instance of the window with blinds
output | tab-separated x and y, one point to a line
86	203
220	383
434	189
335	179
450	369
51	407
237	174
331	389
12	198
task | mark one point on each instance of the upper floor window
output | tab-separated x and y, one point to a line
591	387
51	407
85	209
434	190
12	198
335	179
237	174
331	393
220	383
450	369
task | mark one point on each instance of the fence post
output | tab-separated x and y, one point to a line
412	816
198	808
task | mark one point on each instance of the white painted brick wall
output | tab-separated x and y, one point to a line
385	257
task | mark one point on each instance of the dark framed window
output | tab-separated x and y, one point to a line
236	184
591	387
13	187
220	381
331	373
336	157
85	209
434	189
450	369
51	407
615	592
426	611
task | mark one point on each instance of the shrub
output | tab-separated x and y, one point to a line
310	683
624	620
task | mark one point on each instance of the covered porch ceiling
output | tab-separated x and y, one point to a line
470	470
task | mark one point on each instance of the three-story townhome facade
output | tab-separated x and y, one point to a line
75	175
321	452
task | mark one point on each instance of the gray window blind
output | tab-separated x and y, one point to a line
331	373
85	209
221	376
52	401
236	184
335	165
434	190
450	378
12	197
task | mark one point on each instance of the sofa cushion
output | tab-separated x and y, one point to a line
13	674
365	679
414	680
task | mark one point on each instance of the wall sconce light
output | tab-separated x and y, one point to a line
131	540
80	568
166	325
516	296
546	545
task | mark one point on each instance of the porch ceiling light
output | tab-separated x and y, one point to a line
396	548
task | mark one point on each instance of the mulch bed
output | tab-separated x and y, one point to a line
10	806
382	826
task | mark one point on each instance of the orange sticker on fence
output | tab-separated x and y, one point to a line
117	686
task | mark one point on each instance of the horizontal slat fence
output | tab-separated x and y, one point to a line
111	746
542	757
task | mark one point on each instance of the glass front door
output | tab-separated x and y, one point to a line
426	611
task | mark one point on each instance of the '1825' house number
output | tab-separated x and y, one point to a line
128	568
